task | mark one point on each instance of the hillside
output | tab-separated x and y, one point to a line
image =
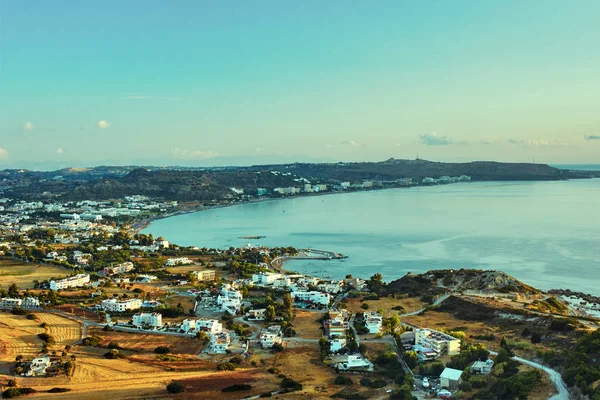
463	280
208	184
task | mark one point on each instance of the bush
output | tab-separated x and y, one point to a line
107	328
92	341
175	387
478	382
536	337
226	366
43	325
114	345
288	383
15	392
277	347
273	370
162	350
465	386
342	380
59	390
364	306
239	387
31	316
48	339
112	355
19	311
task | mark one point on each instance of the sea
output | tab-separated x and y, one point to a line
546	234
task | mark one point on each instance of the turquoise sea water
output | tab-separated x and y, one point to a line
544	233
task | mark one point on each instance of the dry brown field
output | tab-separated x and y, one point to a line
306	325
23	274
410	304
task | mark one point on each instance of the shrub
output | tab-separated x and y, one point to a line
342	380
107	328
238	387
43	325
114	345
277	347
365	381
465	386
175	387
48	339
288	383
59	390
536	337
273	370
31	316
19	311
364	306
478	382
15	392
92	341
162	350
112	355
226	366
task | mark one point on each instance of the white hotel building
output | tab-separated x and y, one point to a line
315	297
438	341
115	305
72	281
152	319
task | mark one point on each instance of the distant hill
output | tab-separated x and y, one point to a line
208	184
439	281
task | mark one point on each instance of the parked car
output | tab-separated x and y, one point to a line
444	394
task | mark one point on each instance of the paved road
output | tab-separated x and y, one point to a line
555	377
439	301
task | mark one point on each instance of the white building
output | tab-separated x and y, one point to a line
373	322
355	362
206	275
39	365
482	367
119	269
115	305
171	262
268	340
256	315
450	378
265	279
29	302
438	341
313	297
154	320
230	300
219	342
72	281
336	344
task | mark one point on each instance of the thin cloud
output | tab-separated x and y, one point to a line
485	142
328	146
27	126
103	124
538	143
434	140
3	154
352	143
135	96
193	154
592	137
59	150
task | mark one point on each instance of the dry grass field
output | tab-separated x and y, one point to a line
146	343
306	325
23	274
64	330
18	336
387	304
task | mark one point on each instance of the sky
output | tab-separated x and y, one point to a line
93	82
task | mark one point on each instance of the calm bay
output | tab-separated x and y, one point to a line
544	233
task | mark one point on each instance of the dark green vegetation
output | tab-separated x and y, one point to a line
175	387
213	183
238	387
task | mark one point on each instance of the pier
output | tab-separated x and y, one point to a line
306	254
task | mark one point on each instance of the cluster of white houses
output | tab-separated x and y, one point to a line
29	302
270	336
72	281
115	305
172	262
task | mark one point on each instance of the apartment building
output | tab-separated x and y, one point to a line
438	341
151	319
114	305
206	275
72	281
118	269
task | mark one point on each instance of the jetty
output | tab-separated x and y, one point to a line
306	254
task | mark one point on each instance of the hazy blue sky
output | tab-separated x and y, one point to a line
173	82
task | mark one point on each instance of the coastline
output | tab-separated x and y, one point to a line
139	226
